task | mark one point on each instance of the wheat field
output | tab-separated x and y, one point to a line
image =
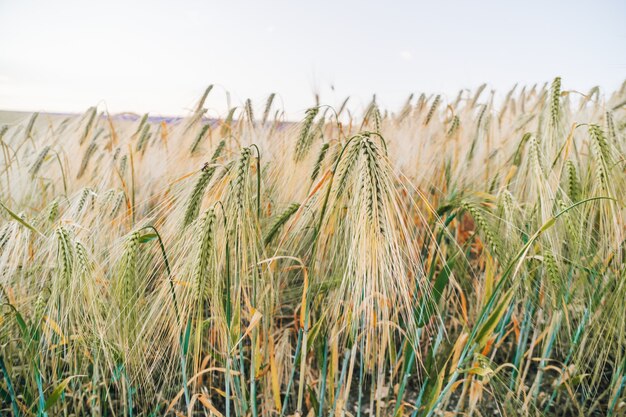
458	256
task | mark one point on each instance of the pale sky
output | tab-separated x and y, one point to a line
159	56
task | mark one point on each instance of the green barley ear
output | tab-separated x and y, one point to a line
553	270
378	119
242	167
408	107
65	255
119	203
143	139
193	205
41	304
320	160
372	183
454	126
573	239
279	221
92	117
305	137
506	205
317	132
126	286
203	269
29	127
372	113
458	99
522	99
490	236
228	121
346	165
421	102
432	110
86	192
553	274
601	155
610	129
536	157
203	98
479	128
507	209
53	211
555	102
201	272
481	116
39	161
199	112
344	103
507	101
107	197
123	165
517	157
268	107
142	123
479	91
86	157
83	264
199	138
573	183
249	111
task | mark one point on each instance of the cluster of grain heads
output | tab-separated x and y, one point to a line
361	239
471	259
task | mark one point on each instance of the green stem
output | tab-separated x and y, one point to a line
7	378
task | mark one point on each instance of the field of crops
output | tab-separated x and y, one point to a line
459	256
